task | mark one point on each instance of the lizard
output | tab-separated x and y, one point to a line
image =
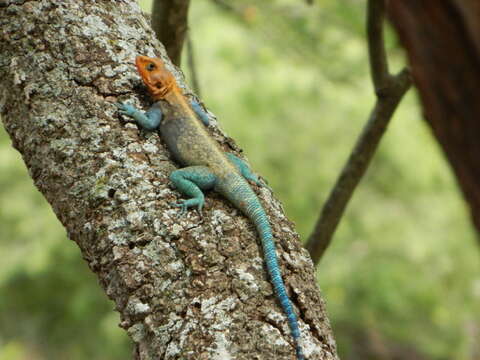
182	124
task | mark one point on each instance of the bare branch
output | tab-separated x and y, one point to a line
225	5
389	90
376	48
170	22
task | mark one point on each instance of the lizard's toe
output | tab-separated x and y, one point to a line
120	106
183	208
125	109
257	181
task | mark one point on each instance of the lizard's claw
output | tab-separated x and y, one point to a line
126	109
183	208
184	205
265	185
262	183
256	180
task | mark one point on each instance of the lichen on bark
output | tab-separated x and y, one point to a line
186	288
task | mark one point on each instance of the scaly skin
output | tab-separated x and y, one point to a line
182	126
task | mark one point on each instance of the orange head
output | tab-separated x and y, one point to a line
156	77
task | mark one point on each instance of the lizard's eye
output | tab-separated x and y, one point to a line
150	66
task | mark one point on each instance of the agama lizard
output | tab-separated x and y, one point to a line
182	126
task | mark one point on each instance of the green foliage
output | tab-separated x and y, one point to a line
290	83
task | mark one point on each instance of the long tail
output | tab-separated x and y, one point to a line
256	213
242	196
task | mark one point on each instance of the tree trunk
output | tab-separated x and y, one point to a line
170	22
442	38
186	288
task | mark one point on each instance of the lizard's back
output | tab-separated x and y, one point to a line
191	144
189	141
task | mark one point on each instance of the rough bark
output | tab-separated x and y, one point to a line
189	288
442	39
170	22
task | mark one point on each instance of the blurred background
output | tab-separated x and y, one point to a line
290	83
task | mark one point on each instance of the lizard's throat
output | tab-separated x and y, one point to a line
160	93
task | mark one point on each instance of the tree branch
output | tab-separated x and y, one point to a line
376	45
192	287
225	5
170	23
389	91
192	65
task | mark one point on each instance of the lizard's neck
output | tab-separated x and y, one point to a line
177	99
174	97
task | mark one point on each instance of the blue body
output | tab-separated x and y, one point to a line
182	127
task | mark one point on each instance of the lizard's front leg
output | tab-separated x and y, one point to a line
201	114
149	120
191	181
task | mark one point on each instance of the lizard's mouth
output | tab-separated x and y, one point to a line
158	91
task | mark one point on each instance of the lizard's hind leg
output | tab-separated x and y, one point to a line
191	181
243	168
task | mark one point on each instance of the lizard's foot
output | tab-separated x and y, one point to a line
126	109
244	169
264	184
254	178
184	205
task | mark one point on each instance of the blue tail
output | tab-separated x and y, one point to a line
260	219
238	191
